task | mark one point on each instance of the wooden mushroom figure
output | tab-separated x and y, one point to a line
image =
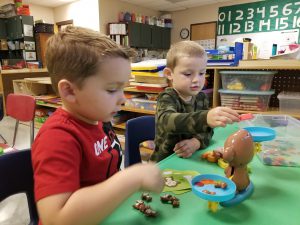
238	152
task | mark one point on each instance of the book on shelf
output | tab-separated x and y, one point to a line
151	79
154	64
144	73
148	85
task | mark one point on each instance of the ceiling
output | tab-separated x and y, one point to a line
172	5
48	3
159	5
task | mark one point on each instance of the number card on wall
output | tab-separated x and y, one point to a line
263	16
266	23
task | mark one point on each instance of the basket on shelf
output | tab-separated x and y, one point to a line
44	28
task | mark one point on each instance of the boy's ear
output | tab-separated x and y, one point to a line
168	73
66	90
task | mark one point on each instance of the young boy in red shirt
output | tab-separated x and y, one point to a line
76	155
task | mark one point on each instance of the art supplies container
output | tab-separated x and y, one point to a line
247	80
284	150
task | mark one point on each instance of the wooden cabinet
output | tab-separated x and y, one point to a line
161	37
18	31
3	34
17	25
141	35
166	38
41	40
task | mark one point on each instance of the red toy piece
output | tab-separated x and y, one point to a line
246	116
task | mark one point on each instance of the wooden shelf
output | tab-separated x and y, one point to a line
48	105
137	110
38	125
273	111
25	70
133	89
120	125
264	64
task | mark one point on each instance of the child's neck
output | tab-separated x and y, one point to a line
184	98
78	116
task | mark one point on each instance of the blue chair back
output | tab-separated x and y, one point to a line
138	130
16	175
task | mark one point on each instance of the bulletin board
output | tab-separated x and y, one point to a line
265	22
204	34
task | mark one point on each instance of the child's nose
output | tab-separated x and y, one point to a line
196	79
122	99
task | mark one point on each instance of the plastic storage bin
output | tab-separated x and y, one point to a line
247	80
246	100
289	101
141	103
284	150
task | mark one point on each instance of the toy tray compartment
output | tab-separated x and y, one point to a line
284	150
247	80
220	194
246	100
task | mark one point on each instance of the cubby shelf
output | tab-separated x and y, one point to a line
138	110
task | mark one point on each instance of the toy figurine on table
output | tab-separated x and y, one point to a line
238	151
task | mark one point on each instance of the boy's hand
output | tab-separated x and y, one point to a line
220	116
187	147
151	177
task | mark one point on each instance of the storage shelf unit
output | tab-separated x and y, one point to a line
287	78
286	69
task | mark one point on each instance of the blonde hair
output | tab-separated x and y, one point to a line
184	49
77	53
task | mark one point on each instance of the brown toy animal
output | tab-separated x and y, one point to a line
238	152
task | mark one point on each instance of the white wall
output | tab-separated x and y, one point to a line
110	9
40	12
84	13
4	2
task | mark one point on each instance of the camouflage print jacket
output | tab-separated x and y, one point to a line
177	120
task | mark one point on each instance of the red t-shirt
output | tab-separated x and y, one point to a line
69	154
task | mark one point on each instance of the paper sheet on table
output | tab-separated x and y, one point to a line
181	179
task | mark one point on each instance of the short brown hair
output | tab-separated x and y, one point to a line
76	53
184	49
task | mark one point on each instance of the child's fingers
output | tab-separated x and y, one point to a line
230	113
180	150
179	146
220	123
232	116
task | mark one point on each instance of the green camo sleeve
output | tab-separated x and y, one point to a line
176	118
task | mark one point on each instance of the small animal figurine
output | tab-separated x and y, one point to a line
238	152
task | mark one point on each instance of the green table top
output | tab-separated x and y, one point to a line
275	201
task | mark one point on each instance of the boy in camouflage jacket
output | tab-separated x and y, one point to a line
183	122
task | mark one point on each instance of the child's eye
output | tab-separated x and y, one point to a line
112	91
201	74
187	74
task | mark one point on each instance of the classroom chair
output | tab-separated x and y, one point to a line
16	176
22	108
138	130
